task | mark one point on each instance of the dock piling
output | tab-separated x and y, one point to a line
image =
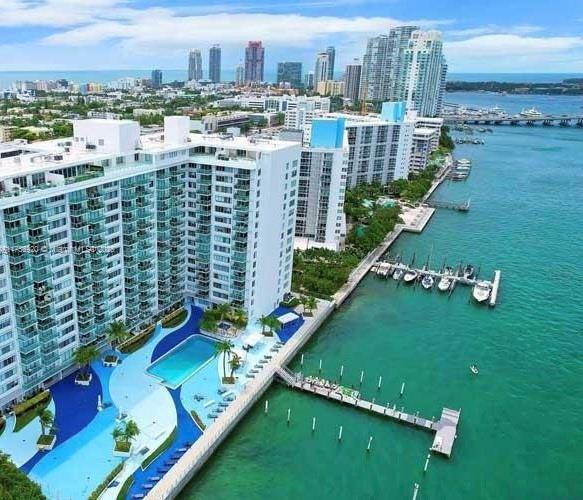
369	443
380	382
361	376
313	424
402	388
341	371
426	462
266	406
415	491
288	415
340	434
320	367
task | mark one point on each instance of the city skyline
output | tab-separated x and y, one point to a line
134	34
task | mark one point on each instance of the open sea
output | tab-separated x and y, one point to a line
7	78
520	434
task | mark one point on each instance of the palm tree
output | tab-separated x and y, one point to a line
225	349
238	318
311	303
234	363
303	299
274	324
47	419
222	310
264	321
117	332
131	431
208	323
84	356
118	434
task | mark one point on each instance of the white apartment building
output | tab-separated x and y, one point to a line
425	141
379	145
112	225
320	220
275	103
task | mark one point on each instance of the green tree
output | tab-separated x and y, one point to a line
264	322
84	356
117	332
131	431
15	484
224	348
234	363
47	420
311	303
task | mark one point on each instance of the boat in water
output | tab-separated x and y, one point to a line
469	272
427	282
446	280
530	113
474	369
398	274
410	276
481	291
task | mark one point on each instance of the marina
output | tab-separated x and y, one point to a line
445	428
446	278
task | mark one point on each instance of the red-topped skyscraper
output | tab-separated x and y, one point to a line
254	59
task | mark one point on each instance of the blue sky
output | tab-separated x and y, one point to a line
480	35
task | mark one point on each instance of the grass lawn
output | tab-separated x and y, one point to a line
46	439
123	492
25	418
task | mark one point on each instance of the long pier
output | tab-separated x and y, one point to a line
445	428
463	206
545	120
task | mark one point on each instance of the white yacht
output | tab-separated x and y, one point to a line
446	280
427	282
481	291
410	276
531	113
398	274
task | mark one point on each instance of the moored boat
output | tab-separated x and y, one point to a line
410	276
398	274
481	291
427	281
469	272
446	280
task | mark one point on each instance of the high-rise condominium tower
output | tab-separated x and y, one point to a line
331	51
156	79
215	64
254	62
194	65
240	75
321	68
290	72
422	81
405	65
127	227
352	80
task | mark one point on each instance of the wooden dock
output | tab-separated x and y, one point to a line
445	428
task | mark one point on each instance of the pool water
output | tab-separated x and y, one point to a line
179	364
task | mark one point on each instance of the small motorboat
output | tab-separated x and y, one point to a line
474	369
410	276
427	281
446	280
469	272
481	291
398	274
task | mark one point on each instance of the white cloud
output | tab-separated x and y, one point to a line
509	52
158	28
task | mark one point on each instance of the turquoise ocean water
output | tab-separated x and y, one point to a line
520	435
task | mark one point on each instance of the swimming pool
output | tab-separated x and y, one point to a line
182	362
